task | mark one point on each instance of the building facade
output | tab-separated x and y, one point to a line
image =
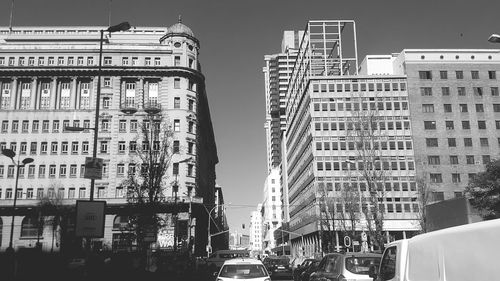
271	210
48	81
432	125
255	230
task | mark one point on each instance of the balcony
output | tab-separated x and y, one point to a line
152	107
129	107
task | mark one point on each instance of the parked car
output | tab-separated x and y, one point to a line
345	266
279	267
300	268
242	268
304	276
466	252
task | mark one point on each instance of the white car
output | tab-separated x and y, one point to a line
243	269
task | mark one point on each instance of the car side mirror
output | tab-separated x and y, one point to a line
373	272
215	274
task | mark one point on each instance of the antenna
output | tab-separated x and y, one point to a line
11	15
109	12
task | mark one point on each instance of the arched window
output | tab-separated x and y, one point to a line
120	222
29	227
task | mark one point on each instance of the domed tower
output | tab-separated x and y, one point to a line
184	45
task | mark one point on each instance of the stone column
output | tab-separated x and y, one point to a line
34	93
53	94
140	92
73	94
16	94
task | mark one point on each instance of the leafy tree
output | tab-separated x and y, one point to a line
423	198
484	191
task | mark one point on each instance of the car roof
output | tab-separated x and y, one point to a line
355	255
242	261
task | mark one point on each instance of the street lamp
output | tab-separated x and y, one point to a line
124	26
11	154
175	189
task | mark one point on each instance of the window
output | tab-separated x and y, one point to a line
64	147
157	62
133	126
107	60
494	91
497	124
29	227
135	60
121	147
132	146
125	61
486	159
453	160
90	60
478	91
55	126
177	102
449	125
35	127
177	60
177	83
434	160
452	142
190	170
60	60
461	91
496	107
104	147
25	126
492	74
463	107
72	171
431	142
107	82
445	91
388	264
427	108
190	147
430	125
85	147
474	74
191	127
175	169
176	146
481	124
459	74
447	107
466	125
15	126
436	178
53	147
122	126
484	142
120	170
147	61
468	142
81	192
177	125
5	126
425	75
52	171
479	107
443	74
426	91
106	102
469	159
62	171
191	104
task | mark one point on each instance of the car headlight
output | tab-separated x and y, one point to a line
267	279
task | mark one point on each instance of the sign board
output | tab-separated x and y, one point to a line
93	168
90	218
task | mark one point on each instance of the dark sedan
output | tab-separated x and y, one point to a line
278	267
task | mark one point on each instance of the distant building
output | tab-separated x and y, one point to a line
255	230
271	209
48	81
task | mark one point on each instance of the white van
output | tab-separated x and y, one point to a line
467	252
217	259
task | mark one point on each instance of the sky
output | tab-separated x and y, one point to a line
235	35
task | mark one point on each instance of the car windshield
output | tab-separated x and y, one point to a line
243	271
360	265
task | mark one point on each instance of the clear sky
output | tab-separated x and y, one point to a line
235	35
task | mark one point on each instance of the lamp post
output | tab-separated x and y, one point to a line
11	154
124	26
175	190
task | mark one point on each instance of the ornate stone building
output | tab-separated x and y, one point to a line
48	81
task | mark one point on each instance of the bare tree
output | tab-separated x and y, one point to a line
53	212
362	131
424	192
148	179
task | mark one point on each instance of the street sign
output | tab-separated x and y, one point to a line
93	168
90	218
347	241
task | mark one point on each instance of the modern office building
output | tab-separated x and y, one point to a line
433	122
48	81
